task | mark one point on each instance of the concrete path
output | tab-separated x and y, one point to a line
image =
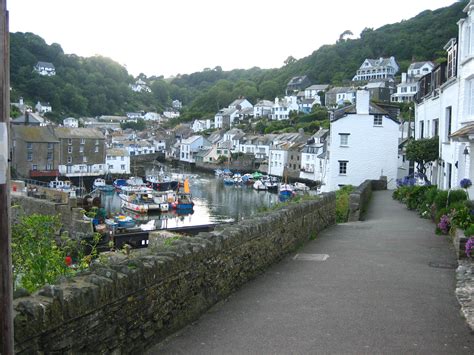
386	287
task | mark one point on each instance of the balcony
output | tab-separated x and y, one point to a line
41	173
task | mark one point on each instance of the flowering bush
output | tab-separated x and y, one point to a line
444	224
465	183
469	246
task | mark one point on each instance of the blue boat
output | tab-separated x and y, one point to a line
119	183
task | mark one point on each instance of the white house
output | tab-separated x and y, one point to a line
263	108
314	160
240	104
363	145
225	117
45	68
43	107
160	144
200	125
446	108
71	122
151	116
278	158
408	87
140	86
371	69
281	108
171	114
190	147
139	147
177	105
312	92
117	161
259	146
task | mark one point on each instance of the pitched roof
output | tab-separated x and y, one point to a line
297	80
263	103
320	87
190	140
463	133
64	132
352	109
117	152
32	118
418	65
34	134
45	65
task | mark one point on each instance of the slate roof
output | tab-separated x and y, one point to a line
264	103
34	134
63	132
321	87
117	152
463	133
418	65
297	80
32	118
373	110
45	65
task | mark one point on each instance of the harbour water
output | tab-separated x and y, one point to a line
214	203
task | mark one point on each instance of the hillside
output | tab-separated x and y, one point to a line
97	85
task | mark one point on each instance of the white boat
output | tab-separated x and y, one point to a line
63	185
299	186
135	181
144	199
100	184
259	186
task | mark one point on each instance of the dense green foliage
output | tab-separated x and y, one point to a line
98	85
342	203
422	152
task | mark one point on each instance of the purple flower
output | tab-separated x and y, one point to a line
444	224
465	183
469	246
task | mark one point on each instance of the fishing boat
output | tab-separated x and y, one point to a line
64	186
161	181
184	200
272	184
142	199
101	185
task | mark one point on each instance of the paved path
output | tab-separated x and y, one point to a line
387	287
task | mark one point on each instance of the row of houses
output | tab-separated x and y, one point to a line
445	108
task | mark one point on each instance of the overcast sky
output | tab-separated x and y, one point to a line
169	37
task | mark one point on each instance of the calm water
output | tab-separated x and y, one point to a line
214	203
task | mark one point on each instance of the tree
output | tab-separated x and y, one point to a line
422	152
289	60
345	34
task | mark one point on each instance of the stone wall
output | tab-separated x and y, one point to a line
130	303
360	198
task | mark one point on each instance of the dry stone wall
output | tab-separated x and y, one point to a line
132	302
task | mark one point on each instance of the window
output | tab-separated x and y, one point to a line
435	127
96	142
422	129
69	150
29	156
470	97
84	159
122	158
81	149
69	141
342	167
111	166
344	139
50	156
34	167
49	166
122	167
50	146
69	160
377	120
83	141
96	150
29	146
448	114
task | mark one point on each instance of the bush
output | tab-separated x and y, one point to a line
342	203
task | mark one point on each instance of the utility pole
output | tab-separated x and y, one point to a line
6	280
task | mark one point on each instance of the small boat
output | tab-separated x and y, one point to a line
299	186
259	186
161	181
123	221
237	179
228	180
272	186
135	181
143	199
64	186
184	200
285	191
101	185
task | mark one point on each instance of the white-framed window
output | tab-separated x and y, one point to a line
448	118
96	150
83	141
81	149
378	120
29	156
84	159
111	166
69	160
49	166
34	167
96	142
29	146
69	149
470	97
49	156
122	167
343	167
69	141
344	139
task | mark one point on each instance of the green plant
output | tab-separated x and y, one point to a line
37	258
168	242
469	231
342	203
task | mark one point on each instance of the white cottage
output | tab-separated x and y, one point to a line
190	147
363	145
117	161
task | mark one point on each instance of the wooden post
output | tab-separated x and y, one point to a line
6	280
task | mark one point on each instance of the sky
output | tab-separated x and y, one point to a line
170	37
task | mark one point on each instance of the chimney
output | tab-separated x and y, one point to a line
362	102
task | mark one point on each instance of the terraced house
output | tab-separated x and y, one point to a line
82	151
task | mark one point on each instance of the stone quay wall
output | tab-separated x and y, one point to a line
131	302
360	198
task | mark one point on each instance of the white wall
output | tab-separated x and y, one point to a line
372	151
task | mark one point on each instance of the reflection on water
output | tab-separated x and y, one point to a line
213	203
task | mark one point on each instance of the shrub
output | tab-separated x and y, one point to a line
342	203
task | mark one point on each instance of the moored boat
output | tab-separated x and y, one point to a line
259	185
101	185
183	200
143	199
